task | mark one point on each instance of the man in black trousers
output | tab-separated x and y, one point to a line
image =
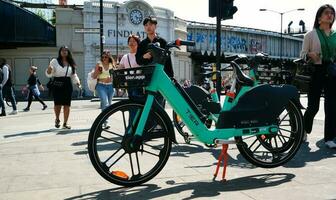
143	57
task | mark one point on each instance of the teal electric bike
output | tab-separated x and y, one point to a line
264	121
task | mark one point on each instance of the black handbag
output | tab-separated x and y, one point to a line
52	84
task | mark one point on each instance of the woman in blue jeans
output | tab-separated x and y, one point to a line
104	86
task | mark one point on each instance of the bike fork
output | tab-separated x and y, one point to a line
144	115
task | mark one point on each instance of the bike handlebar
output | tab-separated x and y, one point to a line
180	42
161	54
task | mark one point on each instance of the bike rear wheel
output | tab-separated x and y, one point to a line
112	152
273	150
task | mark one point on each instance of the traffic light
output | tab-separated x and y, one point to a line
222	8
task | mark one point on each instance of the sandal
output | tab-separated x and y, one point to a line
65	126
57	123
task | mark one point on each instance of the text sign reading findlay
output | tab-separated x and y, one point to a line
111	33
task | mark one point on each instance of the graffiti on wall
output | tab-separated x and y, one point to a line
229	43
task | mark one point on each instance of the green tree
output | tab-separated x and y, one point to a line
53	18
41	14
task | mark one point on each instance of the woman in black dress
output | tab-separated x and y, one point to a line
63	71
33	84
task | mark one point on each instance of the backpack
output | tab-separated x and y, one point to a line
91	82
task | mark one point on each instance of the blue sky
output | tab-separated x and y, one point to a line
248	14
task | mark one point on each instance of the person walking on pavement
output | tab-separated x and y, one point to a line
6	87
63	71
143	57
33	84
129	61
319	48
104	87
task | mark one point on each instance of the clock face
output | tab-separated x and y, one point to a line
136	16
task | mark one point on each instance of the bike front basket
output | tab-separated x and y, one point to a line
133	77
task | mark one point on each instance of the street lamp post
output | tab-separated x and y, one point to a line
281	14
101	23
117	38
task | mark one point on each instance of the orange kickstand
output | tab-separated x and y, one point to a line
222	157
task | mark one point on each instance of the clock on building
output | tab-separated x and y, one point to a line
136	16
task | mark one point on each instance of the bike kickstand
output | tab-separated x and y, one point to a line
223	156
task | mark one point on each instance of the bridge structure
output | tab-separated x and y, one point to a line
22	28
247	41
240	40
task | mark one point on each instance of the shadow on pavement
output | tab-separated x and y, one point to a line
29	133
69	131
184	150
305	155
197	189
58	132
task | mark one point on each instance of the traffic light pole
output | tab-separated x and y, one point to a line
218	49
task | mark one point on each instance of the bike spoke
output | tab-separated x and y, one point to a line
153	147
282	140
150	153
287	130
113	133
253	143
117	160
137	159
256	148
124	119
276	143
284	117
284	136
130	157
112	155
110	139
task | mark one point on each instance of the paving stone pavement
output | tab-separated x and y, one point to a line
38	161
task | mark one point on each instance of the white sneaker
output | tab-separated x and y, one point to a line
330	144
304	138
105	125
14	112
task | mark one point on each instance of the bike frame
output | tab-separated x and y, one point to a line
162	83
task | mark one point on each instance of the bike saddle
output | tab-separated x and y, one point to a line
242	78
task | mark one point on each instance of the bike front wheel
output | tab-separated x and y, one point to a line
273	150
111	149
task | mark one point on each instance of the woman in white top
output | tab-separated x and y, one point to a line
129	61
63	70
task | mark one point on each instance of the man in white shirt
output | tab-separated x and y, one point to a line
3	80
6	88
